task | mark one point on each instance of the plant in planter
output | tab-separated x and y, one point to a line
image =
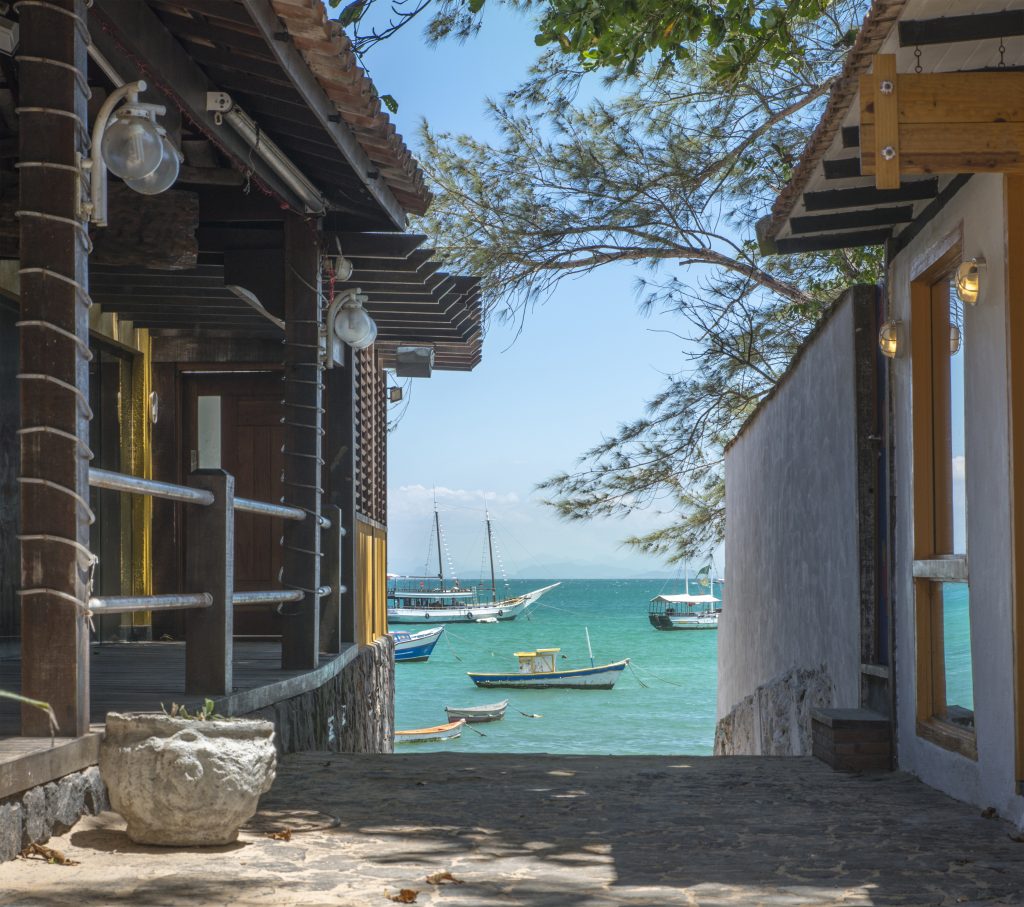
185	779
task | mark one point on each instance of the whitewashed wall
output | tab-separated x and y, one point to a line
979	206
792	580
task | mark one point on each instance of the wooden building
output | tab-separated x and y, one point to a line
921	150
192	459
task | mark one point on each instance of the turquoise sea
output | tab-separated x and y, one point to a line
673	713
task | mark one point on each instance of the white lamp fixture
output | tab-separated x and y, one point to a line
166	171
968	280
128	142
348	321
889	338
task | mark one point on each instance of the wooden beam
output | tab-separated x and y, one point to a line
303	401
964	122
54	528
842	168
869	196
210	567
955	29
852	220
291	61
825	241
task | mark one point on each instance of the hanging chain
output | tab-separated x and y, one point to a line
1002	53
917	59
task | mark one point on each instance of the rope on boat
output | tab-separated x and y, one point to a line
638	680
524	714
473	729
450	646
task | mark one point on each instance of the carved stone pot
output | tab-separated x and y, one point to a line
179	782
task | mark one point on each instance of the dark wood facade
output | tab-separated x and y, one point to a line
183	344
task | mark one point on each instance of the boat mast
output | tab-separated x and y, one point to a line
440	556
490	551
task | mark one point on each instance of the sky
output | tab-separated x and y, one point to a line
584	362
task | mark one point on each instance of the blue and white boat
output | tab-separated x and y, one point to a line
537	671
415	646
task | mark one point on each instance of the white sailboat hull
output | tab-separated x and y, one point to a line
508	609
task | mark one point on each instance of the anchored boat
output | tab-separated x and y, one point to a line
415	646
448	731
684	612
476	714
537	671
427	600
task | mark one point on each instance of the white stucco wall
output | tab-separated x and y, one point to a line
792	586
980	207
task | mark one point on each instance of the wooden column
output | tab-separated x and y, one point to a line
54	385
303	400
210	567
340	455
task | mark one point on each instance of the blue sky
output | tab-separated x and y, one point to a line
584	362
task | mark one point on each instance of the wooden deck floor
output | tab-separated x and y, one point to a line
134	677
140	676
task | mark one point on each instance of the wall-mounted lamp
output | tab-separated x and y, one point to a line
968	280
128	142
414	361
348	321
394	395
889	338
954	340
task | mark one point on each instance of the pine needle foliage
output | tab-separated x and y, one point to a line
668	170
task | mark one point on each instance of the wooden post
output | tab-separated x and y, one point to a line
340	455
54	378
303	398
210	567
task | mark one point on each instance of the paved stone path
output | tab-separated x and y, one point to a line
559	831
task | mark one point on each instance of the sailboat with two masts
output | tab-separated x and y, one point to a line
428	600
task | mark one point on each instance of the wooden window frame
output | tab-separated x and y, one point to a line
933	530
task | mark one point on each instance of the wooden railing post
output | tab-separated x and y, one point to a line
333	575
210	567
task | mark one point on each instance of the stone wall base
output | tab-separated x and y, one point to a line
354	712
50	809
775	720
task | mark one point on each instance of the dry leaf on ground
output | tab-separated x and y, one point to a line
405	896
283	835
49	854
439	878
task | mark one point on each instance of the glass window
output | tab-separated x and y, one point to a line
945	676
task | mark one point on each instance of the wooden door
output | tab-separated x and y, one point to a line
233	420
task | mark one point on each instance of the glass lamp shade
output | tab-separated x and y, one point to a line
889	339
968	280
165	174
954	340
355	327
131	146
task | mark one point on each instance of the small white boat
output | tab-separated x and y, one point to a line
475	714
487	620
448	731
537	672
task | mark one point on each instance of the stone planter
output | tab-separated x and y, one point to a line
180	782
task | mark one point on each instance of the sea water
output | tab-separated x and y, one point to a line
664	703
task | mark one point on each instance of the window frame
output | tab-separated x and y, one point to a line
933	561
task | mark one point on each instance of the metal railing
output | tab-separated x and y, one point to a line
209	556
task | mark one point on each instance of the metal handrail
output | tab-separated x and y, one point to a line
246	505
271	597
123	604
118	481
